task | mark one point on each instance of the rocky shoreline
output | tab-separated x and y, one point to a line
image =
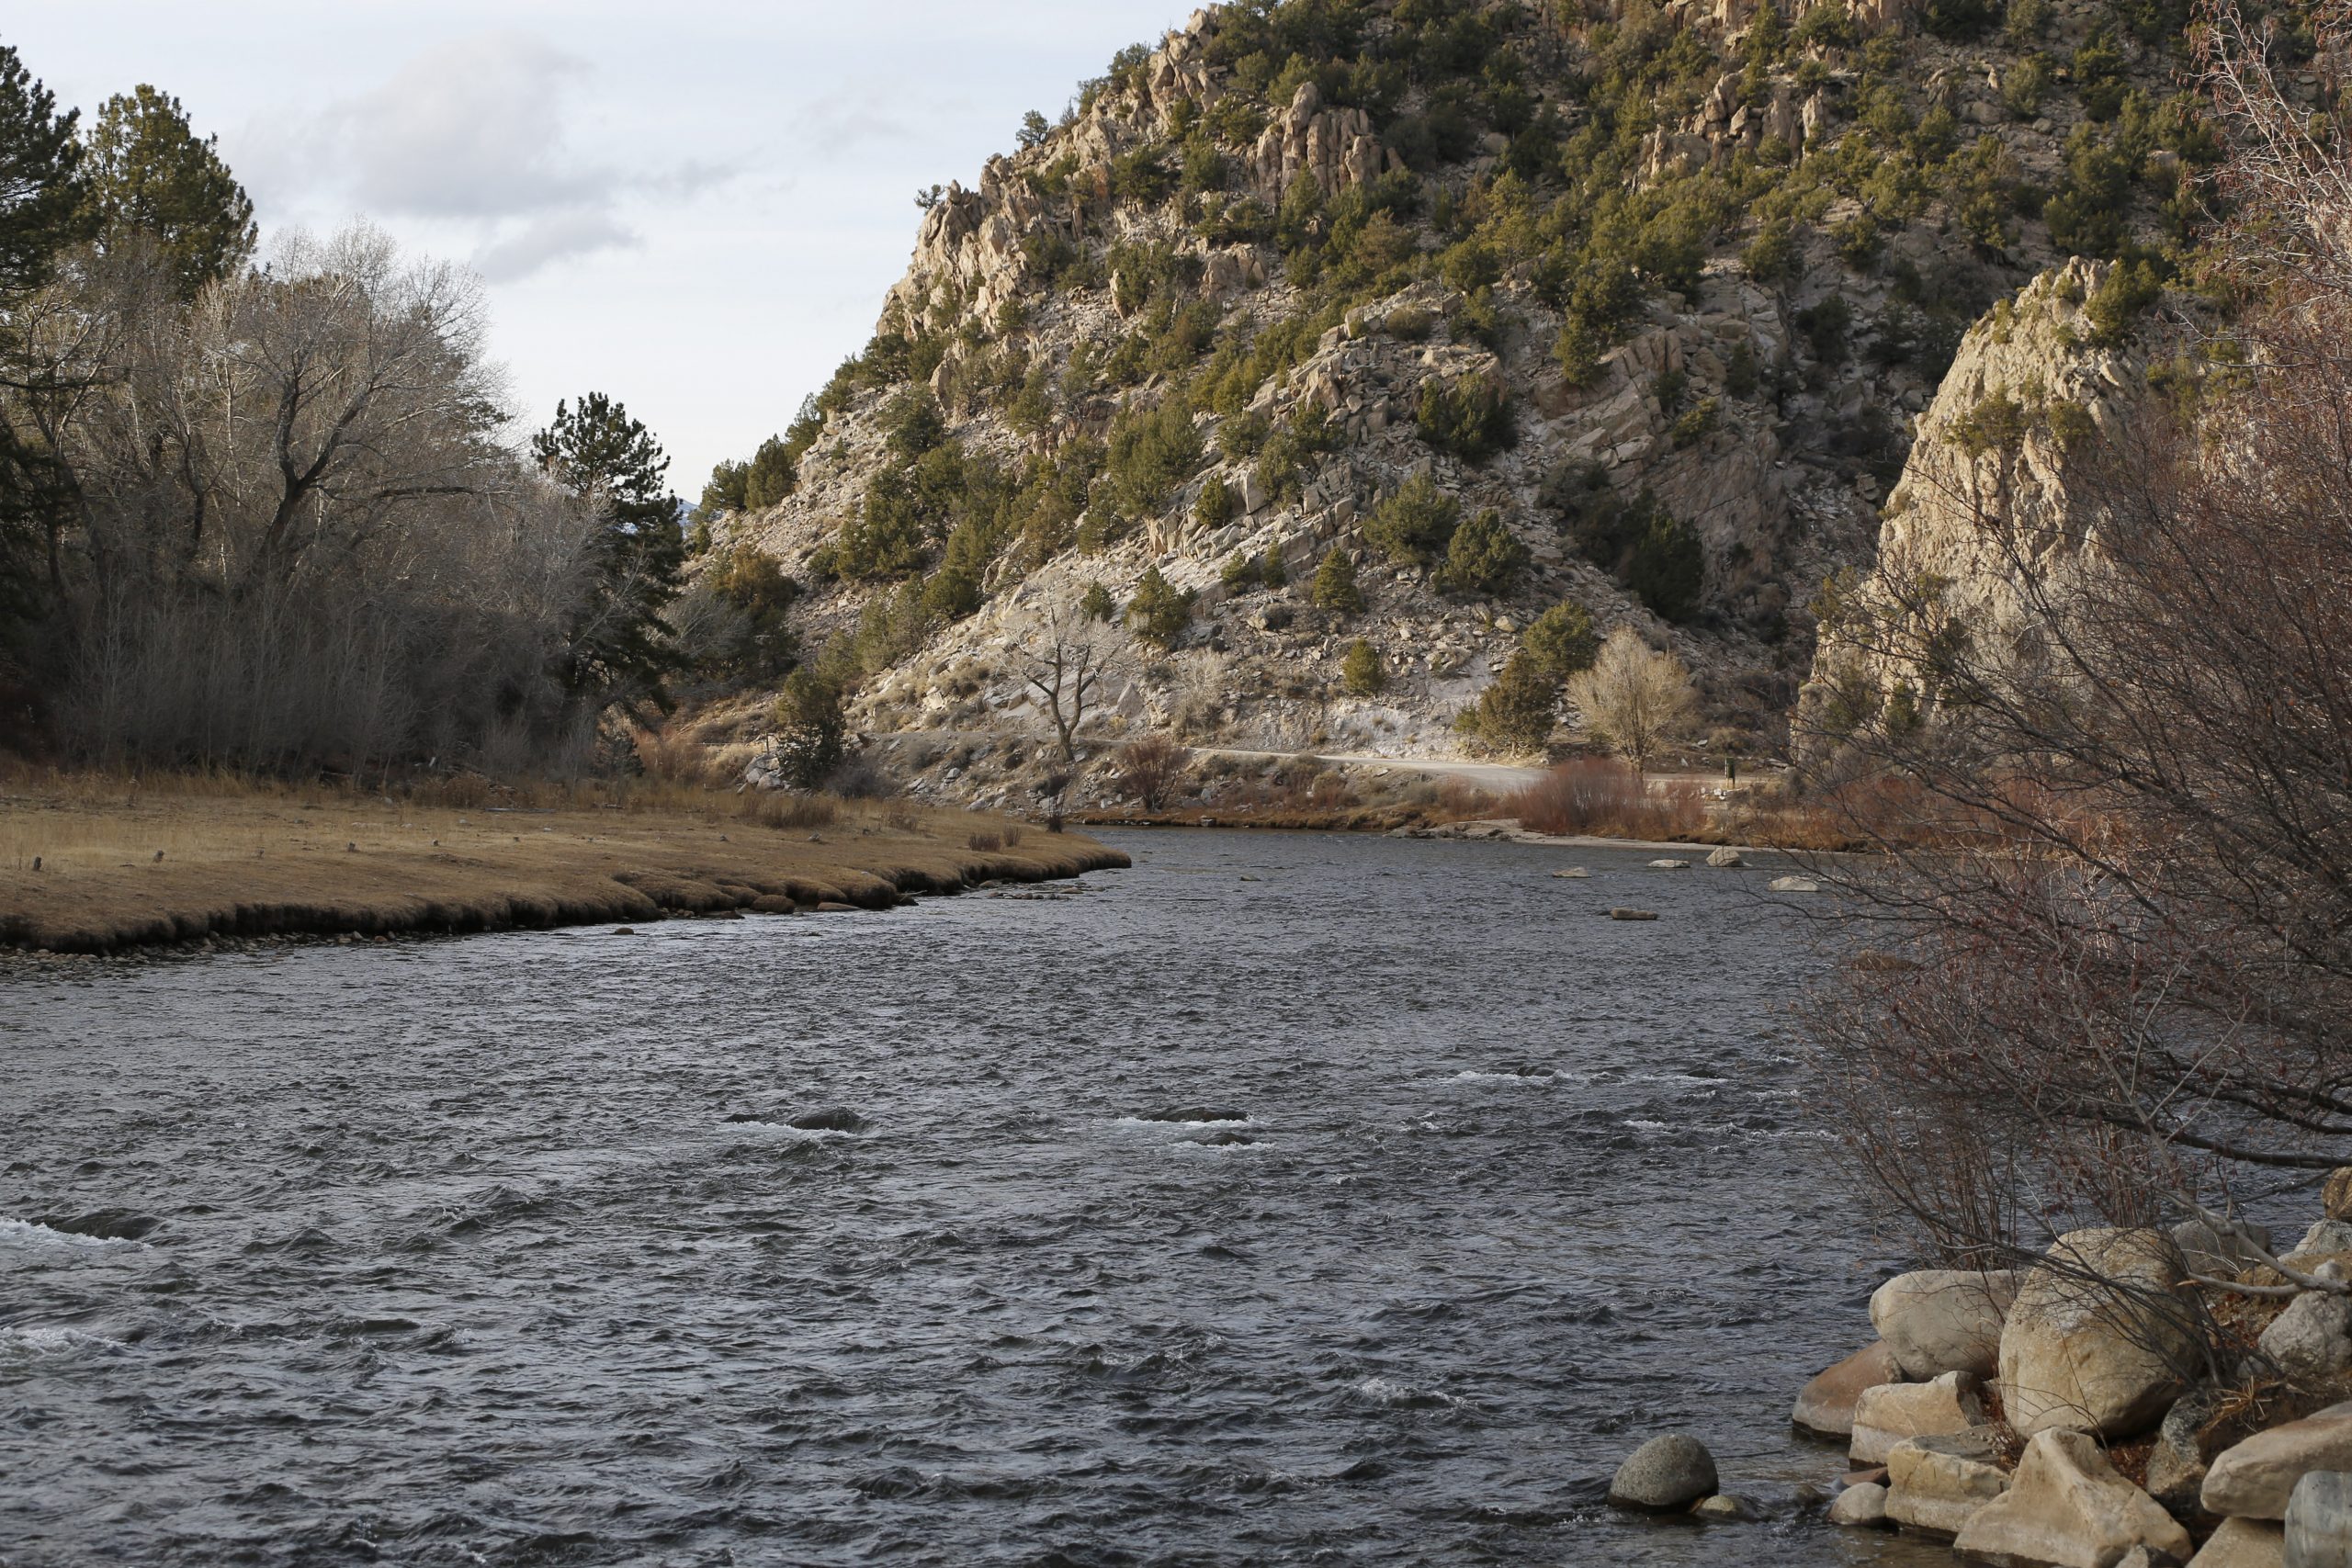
2134	1398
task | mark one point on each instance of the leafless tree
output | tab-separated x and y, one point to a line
1069	660
1639	698
2113	949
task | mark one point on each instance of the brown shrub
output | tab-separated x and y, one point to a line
1592	794
984	843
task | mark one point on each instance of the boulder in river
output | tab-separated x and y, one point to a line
1669	865
2096	1336
1727	1507
1667	1474
2254	1479
1825	1406
1795	884
1726	857
2069	1506
840	1119
1944	1320
1574	873
1937	1483
1196	1113
2319	1521
1632	914
1893	1412
1859	1507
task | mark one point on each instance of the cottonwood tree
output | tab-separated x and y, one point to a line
1069	660
1639	699
2113	914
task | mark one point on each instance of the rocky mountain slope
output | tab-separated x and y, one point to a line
1662	288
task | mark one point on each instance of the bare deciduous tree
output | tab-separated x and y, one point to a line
1070	660
1637	697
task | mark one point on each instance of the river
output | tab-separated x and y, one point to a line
502	1250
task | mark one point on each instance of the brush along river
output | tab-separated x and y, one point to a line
505	1249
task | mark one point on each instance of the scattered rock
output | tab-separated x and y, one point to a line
2176	1465
2253	1479
1893	1412
624	930
104	1224
1937	1483
1726	857
2313	1338
1944	1320
2326	1236
1667	1472
1826	1404
835	907
1196	1113
1632	914
1876	1473
2319	1521
1727	1508
837	1120
1669	865
2243	1543
1859	1507
1795	884
1573	873
2067	1505
2227	1250
2095	1334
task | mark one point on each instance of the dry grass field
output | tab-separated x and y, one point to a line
97	863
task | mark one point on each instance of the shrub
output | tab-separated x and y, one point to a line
1595	794
984	842
1361	673
1271	570
1473	419
2086	212
1825	326
1158	612
1516	713
886	536
1415	525
1695	422
1667	565
1484	555
912	421
1213	507
1240	574
1150	453
811	735
1097	604
1335	583
2129	289
1150	768
1561	640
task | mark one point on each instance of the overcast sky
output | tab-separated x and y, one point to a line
696	206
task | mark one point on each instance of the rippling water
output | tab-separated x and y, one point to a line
504	1249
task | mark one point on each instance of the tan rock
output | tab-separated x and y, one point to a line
2095	1338
1937	1483
2335	1196
2252	1480
1943	1320
1860	1506
2243	1543
1890	1413
2068	1506
1827	1404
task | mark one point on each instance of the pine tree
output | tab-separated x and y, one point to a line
1158	612
771	477
1362	673
42	198
618	649
1562	640
1335	584
151	178
1482	557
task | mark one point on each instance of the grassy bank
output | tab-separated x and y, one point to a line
91	863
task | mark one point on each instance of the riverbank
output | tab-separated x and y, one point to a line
101	865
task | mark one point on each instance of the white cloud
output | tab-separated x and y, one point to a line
478	132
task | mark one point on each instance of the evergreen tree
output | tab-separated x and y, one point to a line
150	176
42	192
617	647
1098	604
1517	712
1482	557
811	733
1562	641
1362	673
771	477
1416	523
1158	612
1335	584
725	490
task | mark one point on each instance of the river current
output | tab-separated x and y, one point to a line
505	1249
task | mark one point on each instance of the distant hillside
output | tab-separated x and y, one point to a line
1661	289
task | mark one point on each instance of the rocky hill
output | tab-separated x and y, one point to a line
1314	286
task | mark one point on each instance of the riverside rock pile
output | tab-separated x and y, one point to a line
2114	1405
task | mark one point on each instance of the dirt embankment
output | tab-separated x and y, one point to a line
90	870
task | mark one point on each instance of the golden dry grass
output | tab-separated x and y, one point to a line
124	862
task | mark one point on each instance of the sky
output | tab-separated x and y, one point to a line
693	206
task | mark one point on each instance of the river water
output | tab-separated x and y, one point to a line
502	1250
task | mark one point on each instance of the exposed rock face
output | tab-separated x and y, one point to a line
1667	1472
1826	1404
1891	1413
2254	1479
1939	1483
1944	1320
2095	1340
2069	1506
1985	506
